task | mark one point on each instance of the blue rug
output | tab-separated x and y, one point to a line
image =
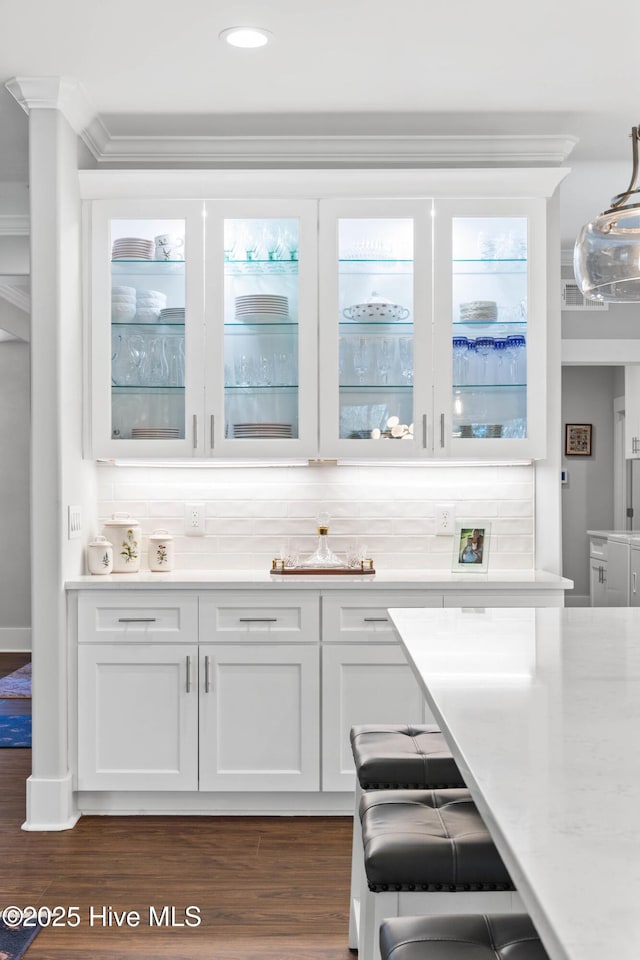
15	940
15	732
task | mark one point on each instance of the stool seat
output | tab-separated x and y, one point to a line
479	937
403	756
428	840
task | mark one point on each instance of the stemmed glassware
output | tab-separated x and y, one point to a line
405	348
361	358
384	358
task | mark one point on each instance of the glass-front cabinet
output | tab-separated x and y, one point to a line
334	328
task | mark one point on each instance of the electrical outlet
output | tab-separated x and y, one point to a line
194	519
445	517
74	522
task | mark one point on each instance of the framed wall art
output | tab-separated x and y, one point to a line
577	439
471	547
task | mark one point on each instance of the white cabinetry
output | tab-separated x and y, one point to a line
632	411
138	716
598	571
617	575
325	326
634	575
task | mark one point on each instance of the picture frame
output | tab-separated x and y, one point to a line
578	439
471	542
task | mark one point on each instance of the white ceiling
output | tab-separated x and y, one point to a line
156	67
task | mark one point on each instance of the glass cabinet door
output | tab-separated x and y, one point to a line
154	322
267	340
375	325
484	330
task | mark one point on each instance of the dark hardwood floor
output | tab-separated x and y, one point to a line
267	888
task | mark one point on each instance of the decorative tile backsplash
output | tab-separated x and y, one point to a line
254	513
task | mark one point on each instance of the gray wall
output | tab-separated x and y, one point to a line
15	593
587	498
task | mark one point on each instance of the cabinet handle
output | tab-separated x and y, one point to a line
195	431
207	675
376	619
633	579
136	619
188	674
424	430
212	435
258	619
442	429
600	574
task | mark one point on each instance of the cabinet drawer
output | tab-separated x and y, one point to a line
255	615
136	615
598	548
348	617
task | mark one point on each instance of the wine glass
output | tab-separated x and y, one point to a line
405	347
384	358
361	358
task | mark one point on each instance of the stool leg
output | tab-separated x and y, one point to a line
357	872
374	908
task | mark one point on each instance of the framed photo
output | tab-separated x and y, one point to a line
471	547
577	439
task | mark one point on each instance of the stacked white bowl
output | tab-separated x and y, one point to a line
123	304
149	303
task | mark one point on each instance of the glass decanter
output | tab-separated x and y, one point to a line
323	557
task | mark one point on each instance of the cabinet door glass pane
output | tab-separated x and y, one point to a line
261	286
148	323
489	344
375	328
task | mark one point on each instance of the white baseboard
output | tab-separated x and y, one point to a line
50	804
15	639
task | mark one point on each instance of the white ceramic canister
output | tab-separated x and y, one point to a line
100	556
125	534
160	551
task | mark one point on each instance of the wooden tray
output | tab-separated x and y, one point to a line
289	571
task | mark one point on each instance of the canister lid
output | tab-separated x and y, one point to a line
121	520
160	535
100	542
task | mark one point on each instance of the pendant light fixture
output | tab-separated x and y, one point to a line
606	258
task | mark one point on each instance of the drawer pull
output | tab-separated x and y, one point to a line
258	619
207	675
376	619
188	674
136	619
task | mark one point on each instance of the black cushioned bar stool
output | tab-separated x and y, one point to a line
394	757
478	937
427	852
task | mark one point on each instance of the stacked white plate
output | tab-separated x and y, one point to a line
155	433
172	315
132	248
479	310
263	430
262	308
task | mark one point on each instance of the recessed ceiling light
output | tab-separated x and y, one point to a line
246	37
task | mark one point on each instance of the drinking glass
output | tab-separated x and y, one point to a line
155	370
405	348
361	358
460	360
484	351
384	358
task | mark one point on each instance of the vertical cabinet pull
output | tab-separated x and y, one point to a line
195	431
212	433
188	685
633	581
424	430
207	674
442	430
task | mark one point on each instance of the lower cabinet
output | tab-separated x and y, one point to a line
634	577
259	717
363	684
137	716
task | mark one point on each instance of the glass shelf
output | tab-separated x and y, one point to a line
241	325
160	268
265	268
489	386
382	268
360	326
489	267
261	387
143	389
489	323
156	327
376	387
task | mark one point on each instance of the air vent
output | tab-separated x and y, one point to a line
572	299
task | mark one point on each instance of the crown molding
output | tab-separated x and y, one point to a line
69	97
393	149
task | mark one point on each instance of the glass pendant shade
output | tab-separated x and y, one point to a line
606	259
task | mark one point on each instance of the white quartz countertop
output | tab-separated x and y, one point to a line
541	709
408	579
624	536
